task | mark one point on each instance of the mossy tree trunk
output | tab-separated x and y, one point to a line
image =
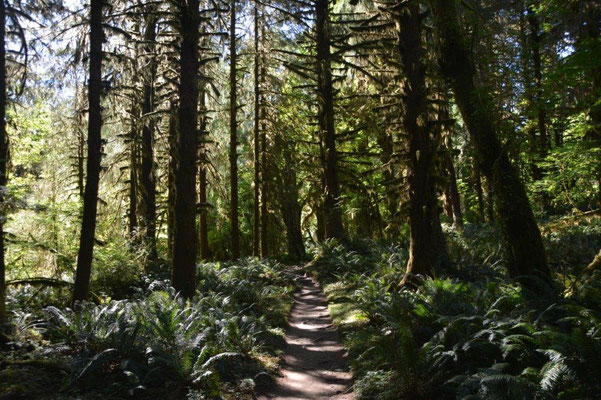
172	141
427	247
203	231
3	163
132	214
81	286
526	254
147	176
184	235
233	154
256	136
539	105
289	203
386	144
264	178
452	196
325	103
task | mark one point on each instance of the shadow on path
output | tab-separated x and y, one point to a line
315	364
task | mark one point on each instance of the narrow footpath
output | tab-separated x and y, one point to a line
315	363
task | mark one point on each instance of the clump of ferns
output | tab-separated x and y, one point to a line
334	258
183	337
250	283
94	327
184	340
456	339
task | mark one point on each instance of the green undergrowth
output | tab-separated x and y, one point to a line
223	343
464	334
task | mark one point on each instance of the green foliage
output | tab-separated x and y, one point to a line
156	338
572	243
335	261
376	385
571	178
467	338
476	250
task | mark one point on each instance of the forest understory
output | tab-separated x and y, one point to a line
300	199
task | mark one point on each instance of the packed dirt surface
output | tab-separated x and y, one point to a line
315	364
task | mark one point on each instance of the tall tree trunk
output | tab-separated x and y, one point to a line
448	206
147	178
479	194
264	178
172	140
256	153
81	158
263	195
325	102
202	182
133	176
81	286
320	222
3	164
526	253
592	32
290	207
235	230
452	197
453	191
386	144
427	248
541	114
184	241
527	79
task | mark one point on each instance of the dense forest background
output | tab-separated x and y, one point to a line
437	163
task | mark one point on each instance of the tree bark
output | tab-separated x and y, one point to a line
479	194
202	183
386	144
81	286
290	207
264	178
525	253
592	31
172	140
147	178
3	164
133	176
233	155
184	241
427	247
541	114
453	191
325	102
452	197
320	222
81	150
256	152
527	82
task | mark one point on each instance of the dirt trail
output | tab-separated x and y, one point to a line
315	364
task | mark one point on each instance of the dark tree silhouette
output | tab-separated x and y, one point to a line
81	287
184	236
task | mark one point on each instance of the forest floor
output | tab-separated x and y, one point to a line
315	361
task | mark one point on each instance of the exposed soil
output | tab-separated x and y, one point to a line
315	363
